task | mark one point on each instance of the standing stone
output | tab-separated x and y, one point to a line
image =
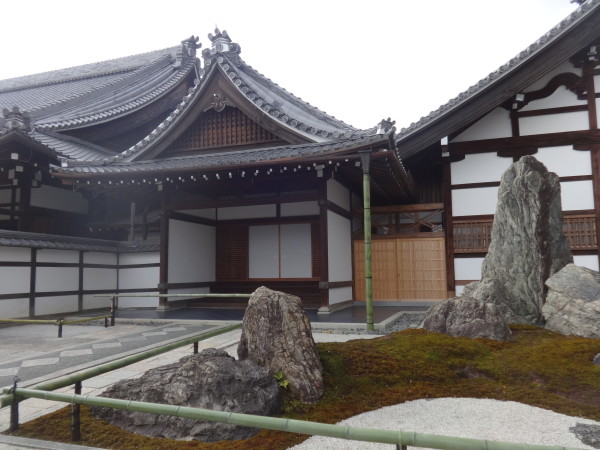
573	302
528	245
210	380
467	317
277	335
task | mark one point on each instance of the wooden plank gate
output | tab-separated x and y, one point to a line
404	268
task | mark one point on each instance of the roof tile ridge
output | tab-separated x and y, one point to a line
97	88
129	106
67	138
274	112
528	52
133	67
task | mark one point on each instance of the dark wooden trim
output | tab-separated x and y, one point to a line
191	219
335	284
448	222
475	185
577	178
477	217
549	111
588	79
596	188
271	220
100	266
32	282
164	247
52	264
16	263
464	282
580	138
80	294
137	266
338	210
470	254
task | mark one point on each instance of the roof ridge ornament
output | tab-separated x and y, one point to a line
385	126
187	50
15	120
221	43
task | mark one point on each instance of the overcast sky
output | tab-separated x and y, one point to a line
360	61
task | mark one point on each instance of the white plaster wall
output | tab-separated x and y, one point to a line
58	256
60	199
139	278
296	250
208	213
92	302
299	209
192	251
246	212
49	279
263	252
100	258
338	295
339	247
589	261
554	123
99	279
467	268
55	305
139	302
14	308
564	161
139	258
20	254
559	98
338	194
472	202
5	195
576	195
479	168
14	280
542	82
494	125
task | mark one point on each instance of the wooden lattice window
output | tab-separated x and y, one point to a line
474	236
227	128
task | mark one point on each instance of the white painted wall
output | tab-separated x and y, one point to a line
100	258
139	278
58	256
246	212
14	280
339	247
192	251
559	98
14	308
95	279
576	195
589	261
472	202
49	279
339	295
299	209
479	168
494	125
296	250
338	194
93	302
564	161
60	199
20	254
54	305
263	251
467	268
542	82
554	123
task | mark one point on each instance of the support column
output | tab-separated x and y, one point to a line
323	249
365	159
164	250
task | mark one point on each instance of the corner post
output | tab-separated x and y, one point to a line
365	159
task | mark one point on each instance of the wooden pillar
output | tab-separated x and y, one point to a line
595	155
80	292
32	277
323	247
448	224
24	218
164	249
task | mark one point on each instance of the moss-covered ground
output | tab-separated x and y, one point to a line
536	367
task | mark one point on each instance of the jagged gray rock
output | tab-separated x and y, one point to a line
573	302
212	380
276	334
467	317
528	245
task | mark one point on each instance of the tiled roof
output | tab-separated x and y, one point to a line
218	160
69	147
48	241
503	72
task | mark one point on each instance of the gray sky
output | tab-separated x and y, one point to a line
360	61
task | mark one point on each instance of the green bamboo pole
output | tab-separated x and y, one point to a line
119	363
365	162
290	425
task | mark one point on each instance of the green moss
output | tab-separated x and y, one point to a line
536	367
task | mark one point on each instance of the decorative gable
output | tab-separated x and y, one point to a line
228	127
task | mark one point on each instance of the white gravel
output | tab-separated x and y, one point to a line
462	417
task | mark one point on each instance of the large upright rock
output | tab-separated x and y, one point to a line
211	380
276	334
573	302
528	245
